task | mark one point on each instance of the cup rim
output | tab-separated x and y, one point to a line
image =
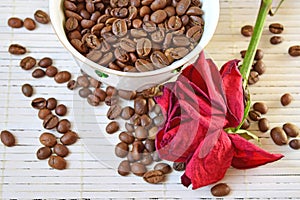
55	10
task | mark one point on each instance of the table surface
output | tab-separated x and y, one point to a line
88	175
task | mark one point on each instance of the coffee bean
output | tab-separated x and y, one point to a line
38	73
294	50
61	110
140	106
79	46
27	90
158	120
27	63
276	28
174	23
286	99
126	94
138	169
95	83
151	104
170	10
253	77
121	150
259	67
72	84
291	129
143	65
69	5
48	139
71	24
124	168
51	103
16	49
114	111
260	107
194	33
43	153
39	103
159	59
179	166
29	24
7	138
119	28
247	30
149	145
143	47
128	45
61	150
57	162
112	127
254	115
51	71
154	176
158	4
177	53
276	40
15	22
126	137
111	91
62	77
129	127
220	190
101	94
246	124
127	112
93	100
84	92
182	6
107	58
263	125
158	16
45	62
50	121
63	126
295	144
279	136
111	100
194	10
152	132
141	133
163	167
41	17
69	138
43	113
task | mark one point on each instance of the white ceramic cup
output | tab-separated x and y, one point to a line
134	80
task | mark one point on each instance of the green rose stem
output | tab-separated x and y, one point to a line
265	7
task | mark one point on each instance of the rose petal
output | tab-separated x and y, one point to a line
248	155
212	168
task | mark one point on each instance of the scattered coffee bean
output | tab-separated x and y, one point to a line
83	81
141	133
276	40
29	24
57	162
260	67
16	49
51	71
51	103
111	91
263	125
43	113
69	138
27	90
158	120
128	95
84	92
260	107
253	77
15	22
93	100
121	150
254	115
291	129
61	150
48	139
27	63
276	28
163	167
114	112
45	62
39	103
286	99
154	176
41	17
152	133
72	84
101	94
150	145
7	138
38	73
220	189
247	30
124	168
112	127
62	77
127	112
279	136
294	50
140	106
126	137
138	169
129	127
50	121
61	110
146	159
179	166
43	153
295	144
246	124
63	126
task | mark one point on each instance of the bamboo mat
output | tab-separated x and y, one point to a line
91	170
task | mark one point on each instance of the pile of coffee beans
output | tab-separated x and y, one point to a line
134	35
52	149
